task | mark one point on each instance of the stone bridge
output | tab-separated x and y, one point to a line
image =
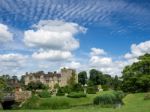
16	97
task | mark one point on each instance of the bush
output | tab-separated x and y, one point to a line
76	95
105	87
77	88
119	96
60	92
109	98
67	89
147	96
44	94
91	90
31	103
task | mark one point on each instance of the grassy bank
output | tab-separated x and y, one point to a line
133	103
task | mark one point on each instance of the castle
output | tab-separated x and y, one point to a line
50	78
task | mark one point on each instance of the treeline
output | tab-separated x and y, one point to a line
97	78
135	78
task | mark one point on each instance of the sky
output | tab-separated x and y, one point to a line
81	34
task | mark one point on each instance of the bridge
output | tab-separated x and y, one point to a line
8	100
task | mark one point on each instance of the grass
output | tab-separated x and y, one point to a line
133	103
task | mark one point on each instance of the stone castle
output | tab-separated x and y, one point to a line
50	78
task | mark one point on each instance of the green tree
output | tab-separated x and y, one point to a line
116	83
72	79
136	77
82	77
98	78
2	83
35	85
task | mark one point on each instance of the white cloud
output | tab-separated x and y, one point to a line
115	67
12	62
5	34
138	50
53	34
52	55
100	61
74	65
97	51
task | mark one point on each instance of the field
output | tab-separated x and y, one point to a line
133	103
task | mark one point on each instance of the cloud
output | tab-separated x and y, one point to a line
5	34
83	11
11	62
74	65
138	50
115	67
100	61
52	55
97	51
53	34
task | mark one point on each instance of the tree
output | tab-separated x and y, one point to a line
82	77
116	83
36	85
2	83
72	79
97	77
136	77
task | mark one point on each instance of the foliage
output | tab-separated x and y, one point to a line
31	103
132	103
72	79
105	87
116	83
36	85
136	78
2	83
92	90
98	78
44	94
60	92
67	89
76	88
8	88
147	96
111	98
76	95
82	77
56	86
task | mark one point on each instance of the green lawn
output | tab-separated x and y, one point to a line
133	103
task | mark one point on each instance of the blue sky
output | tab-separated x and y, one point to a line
95	34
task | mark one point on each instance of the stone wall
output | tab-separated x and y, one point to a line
21	96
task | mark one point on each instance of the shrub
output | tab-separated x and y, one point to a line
67	89
31	103
105	87
105	99
119	96
109	98
77	88
60	92
147	96
91	90
44	94
76	95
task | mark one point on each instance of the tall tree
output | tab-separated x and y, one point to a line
116	83
97	77
136	78
82	77
72	79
